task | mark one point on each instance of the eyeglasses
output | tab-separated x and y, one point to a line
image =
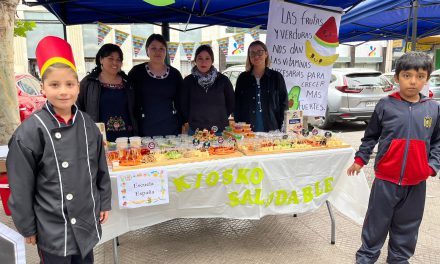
257	53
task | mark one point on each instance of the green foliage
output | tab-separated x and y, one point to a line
21	27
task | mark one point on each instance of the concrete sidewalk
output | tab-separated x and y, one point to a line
273	239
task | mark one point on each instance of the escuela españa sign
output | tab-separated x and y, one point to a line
254	193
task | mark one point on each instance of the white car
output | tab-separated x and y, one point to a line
352	94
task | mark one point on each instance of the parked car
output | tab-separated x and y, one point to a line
434	85
390	77
352	94
233	72
30	98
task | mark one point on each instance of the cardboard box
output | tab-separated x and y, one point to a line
293	121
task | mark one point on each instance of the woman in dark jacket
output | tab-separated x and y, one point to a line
106	95
157	87
260	93
208	96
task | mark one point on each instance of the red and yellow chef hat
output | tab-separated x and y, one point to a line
51	50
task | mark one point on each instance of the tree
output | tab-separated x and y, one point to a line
21	27
9	116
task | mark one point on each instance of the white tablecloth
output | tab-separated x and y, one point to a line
307	178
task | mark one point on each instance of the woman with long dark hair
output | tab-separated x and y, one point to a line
157	86
106	95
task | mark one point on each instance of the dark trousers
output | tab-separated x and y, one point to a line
396	211
48	258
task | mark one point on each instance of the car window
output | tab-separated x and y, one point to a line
29	86
434	81
233	77
366	79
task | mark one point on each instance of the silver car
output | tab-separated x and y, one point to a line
352	94
434	85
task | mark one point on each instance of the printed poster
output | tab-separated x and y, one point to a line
120	37
302	45
207	42
172	49
138	43
188	48
255	34
239	42
223	43
103	31
139	188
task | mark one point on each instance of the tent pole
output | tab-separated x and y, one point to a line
414	26
166	36
407	26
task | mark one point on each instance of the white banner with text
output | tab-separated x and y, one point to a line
249	187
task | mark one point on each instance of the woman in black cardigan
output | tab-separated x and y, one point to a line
107	96
208	96
260	93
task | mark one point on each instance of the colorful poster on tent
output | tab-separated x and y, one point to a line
103	31
302	45
208	42
138	43
172	49
255	33
120	37
188	48
239	40
223	43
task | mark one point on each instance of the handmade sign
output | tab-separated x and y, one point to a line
138	188
302	45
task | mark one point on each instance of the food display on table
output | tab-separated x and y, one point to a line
237	140
278	142
136	152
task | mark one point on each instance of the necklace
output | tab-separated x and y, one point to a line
163	76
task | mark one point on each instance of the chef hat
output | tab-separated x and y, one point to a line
51	50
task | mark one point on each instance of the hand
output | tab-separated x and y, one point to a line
103	216
354	168
185	128
31	240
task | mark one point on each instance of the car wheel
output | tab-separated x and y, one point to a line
328	122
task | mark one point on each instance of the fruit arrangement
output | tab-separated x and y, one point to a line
238	131
221	150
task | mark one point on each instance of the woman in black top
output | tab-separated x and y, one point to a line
260	93
157	87
106	95
208	96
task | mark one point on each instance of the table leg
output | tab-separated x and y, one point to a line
115	251
332	219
